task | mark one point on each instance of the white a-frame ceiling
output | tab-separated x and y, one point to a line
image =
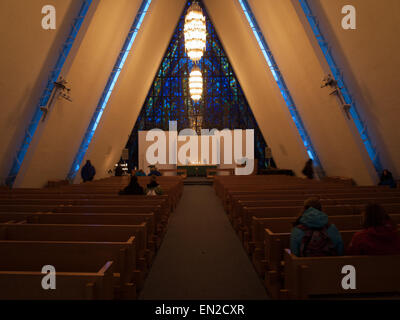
98	49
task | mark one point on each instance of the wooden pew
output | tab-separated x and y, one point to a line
276	242
70	201
84	233
79	209
144	224
85	216
145	238
255	204
243	222
239	203
146	245
285	224
102	188
303	190
74	257
26	285
275	245
15	217
160	220
295	190
306	278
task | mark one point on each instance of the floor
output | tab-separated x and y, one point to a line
201	256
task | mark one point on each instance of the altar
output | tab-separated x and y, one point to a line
197	170
190	156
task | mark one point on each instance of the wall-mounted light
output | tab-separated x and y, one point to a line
59	91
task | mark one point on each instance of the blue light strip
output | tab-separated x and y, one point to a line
361	127
55	73
109	88
281	82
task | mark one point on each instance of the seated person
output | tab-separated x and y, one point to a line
119	170
154	171
88	172
140	173
132	188
153	188
313	235
379	235
386	179
308	169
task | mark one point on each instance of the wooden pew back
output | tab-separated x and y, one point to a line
69	256
25	285
322	276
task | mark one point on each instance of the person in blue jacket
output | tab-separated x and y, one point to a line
140	173
313	235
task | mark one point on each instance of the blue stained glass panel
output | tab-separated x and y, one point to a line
223	103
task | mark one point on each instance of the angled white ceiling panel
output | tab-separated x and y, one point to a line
91	67
134	83
370	63
28	54
334	136
258	83
60	135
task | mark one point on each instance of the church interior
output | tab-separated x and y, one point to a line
199	150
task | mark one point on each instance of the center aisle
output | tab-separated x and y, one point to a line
201	257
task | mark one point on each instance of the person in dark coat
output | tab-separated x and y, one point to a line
119	171
379	235
132	188
153	188
154	172
308	170
387	179
88	171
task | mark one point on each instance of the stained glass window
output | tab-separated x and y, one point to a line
223	103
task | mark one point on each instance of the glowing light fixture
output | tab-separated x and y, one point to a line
196	83
195	32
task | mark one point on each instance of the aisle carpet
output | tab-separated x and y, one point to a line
201	256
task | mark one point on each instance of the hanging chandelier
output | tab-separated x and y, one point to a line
196	83
195	32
